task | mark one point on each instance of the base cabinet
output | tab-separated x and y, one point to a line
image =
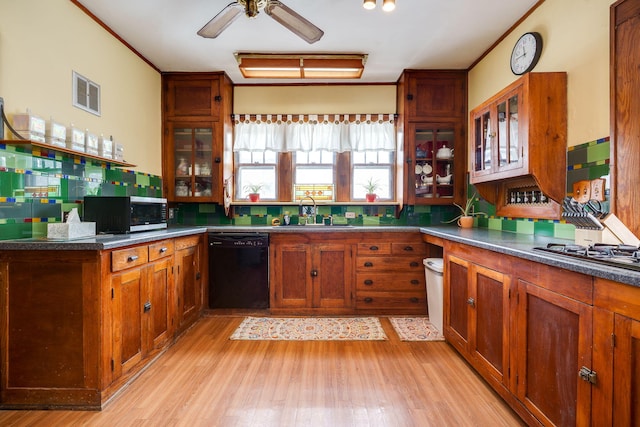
527	328
76	326
310	275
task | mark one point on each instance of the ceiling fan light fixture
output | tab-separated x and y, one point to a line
389	5
301	66
293	21
369	4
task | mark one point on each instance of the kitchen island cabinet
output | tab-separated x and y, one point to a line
78	324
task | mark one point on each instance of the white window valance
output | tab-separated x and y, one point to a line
338	133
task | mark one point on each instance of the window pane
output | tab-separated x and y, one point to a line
256	175
380	175
314	175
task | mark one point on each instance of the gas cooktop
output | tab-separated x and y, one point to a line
623	256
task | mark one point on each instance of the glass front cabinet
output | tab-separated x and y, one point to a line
435	163
497	146
195	159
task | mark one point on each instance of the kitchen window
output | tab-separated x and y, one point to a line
285	151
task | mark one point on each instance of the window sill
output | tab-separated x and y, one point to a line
320	203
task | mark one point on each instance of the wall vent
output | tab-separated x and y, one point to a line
86	94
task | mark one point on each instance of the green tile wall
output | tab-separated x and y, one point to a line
38	186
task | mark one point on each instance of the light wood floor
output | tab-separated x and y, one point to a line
207	380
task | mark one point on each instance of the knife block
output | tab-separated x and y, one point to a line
587	237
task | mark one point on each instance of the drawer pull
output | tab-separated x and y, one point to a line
414	300
373	248
163	250
368	264
408	248
368	300
132	258
414	264
368	282
415	282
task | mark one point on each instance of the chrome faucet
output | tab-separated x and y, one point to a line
313	214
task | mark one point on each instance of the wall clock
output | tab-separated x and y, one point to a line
526	53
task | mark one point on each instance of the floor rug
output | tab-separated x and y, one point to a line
415	329
310	329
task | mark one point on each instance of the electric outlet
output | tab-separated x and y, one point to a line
171	213
349	215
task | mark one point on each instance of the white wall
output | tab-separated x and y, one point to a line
575	37
43	41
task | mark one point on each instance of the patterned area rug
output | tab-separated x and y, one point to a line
415	329
309	329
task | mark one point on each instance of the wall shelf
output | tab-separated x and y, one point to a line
41	145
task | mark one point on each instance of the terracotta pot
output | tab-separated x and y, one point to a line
371	197
465	221
254	197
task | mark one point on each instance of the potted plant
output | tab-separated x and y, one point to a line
465	219
371	186
254	191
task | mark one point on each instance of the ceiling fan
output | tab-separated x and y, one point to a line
275	9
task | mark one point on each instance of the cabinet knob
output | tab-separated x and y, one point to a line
368	264
368	282
415	282
414	300
471	302
368	300
410	97
217	160
147	306
217	98
314	273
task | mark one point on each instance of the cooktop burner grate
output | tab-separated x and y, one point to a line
623	256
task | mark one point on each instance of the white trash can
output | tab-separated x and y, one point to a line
435	292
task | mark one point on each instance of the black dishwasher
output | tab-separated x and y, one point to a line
238	270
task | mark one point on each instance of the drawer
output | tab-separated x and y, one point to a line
161	249
382	248
390	263
404	282
409	248
127	258
187	242
392	300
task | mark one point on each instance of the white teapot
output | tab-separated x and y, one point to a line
444	152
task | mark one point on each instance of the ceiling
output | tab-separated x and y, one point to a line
418	34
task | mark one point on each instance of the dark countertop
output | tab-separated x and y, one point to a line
113	241
521	245
100	242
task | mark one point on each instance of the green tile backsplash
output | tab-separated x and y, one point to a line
39	186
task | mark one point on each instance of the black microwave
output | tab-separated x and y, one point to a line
125	214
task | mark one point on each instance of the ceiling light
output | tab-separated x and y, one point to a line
389	5
294	22
369	4
301	66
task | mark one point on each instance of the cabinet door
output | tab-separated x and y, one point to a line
188	97
509	149
482	162
435	94
456	302
291	280
187	285
192	162
554	342
626	372
489	336
128	300
331	276
159	302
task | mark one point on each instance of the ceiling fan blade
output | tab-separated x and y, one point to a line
294	22
222	20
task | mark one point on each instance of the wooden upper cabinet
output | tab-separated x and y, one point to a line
518	145
192	96
625	109
430	94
